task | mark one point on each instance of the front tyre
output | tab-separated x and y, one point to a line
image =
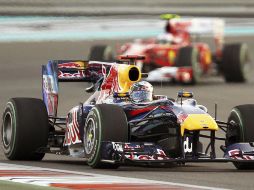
104	122
242	118
24	129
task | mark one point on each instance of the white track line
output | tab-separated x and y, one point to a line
74	177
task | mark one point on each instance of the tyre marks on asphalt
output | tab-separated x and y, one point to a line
80	180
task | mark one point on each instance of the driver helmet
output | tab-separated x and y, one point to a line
168	27
141	92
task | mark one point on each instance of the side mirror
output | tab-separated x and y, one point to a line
121	95
144	75
184	94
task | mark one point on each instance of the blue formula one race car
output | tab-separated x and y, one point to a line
123	121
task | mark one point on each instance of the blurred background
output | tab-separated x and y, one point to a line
35	31
240	8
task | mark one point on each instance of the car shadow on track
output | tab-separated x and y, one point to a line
81	166
192	168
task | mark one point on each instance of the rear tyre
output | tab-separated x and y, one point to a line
24	129
104	123
233	64
101	53
147	67
241	115
188	58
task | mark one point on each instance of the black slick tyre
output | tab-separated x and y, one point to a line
188	57
146	68
101	53
233	64
241	115
105	122
24	129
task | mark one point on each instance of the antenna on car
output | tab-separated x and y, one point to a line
180	95
184	94
215	111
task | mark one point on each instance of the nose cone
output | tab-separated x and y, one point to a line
198	122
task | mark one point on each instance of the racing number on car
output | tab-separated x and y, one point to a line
187	145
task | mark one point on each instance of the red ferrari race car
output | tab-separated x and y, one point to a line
178	55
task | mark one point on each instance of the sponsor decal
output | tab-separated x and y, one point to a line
48	85
239	155
181	117
50	94
159	154
187	145
129	146
72	135
133	156
72	65
135	151
117	147
75	75
109	84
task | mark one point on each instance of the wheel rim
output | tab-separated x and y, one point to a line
7	129
240	123
89	137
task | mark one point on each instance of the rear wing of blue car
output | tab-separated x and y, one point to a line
65	71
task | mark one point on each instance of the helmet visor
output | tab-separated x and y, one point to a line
141	96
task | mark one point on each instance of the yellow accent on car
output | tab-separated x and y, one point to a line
90	136
122	94
171	56
187	94
82	64
208	57
196	122
127	75
184	94
169	16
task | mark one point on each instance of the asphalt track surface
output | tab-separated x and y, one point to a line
20	77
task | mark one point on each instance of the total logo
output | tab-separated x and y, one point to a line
117	147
